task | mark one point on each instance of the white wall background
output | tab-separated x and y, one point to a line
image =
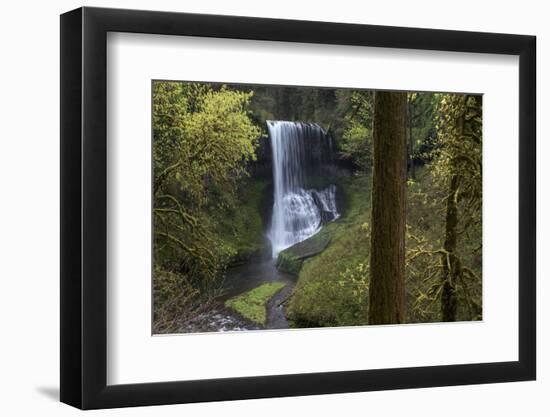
29	213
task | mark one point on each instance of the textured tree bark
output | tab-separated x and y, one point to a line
452	266
451	263
387	262
410	141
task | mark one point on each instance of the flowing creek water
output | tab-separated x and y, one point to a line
302	157
239	280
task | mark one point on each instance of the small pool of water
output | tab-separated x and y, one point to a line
243	278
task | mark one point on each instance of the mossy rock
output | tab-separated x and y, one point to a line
288	263
290	260
252	304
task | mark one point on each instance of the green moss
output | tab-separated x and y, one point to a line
241	228
290	260
287	262
252	304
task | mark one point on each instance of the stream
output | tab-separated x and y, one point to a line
304	200
238	280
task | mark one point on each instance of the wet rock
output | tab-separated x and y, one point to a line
217	321
327	217
290	260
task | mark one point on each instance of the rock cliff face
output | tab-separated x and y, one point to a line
320	162
298	162
262	167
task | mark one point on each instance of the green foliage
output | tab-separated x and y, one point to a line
422	119
208	212
252	305
425	238
203	152
457	160
222	138
324	106
332	286
355	281
202	141
332	289
176	301
241	227
356	143
173	294
459	147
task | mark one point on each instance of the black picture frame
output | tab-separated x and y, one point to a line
84	207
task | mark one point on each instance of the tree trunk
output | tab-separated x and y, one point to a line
410	141
451	264
387	263
450	259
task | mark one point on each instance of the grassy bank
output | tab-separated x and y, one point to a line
331	288
252	304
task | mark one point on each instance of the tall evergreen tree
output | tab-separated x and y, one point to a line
387	264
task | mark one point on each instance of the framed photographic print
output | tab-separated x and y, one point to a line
255	208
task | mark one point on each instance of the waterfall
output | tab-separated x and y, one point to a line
302	154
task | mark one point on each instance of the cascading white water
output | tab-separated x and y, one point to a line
299	150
